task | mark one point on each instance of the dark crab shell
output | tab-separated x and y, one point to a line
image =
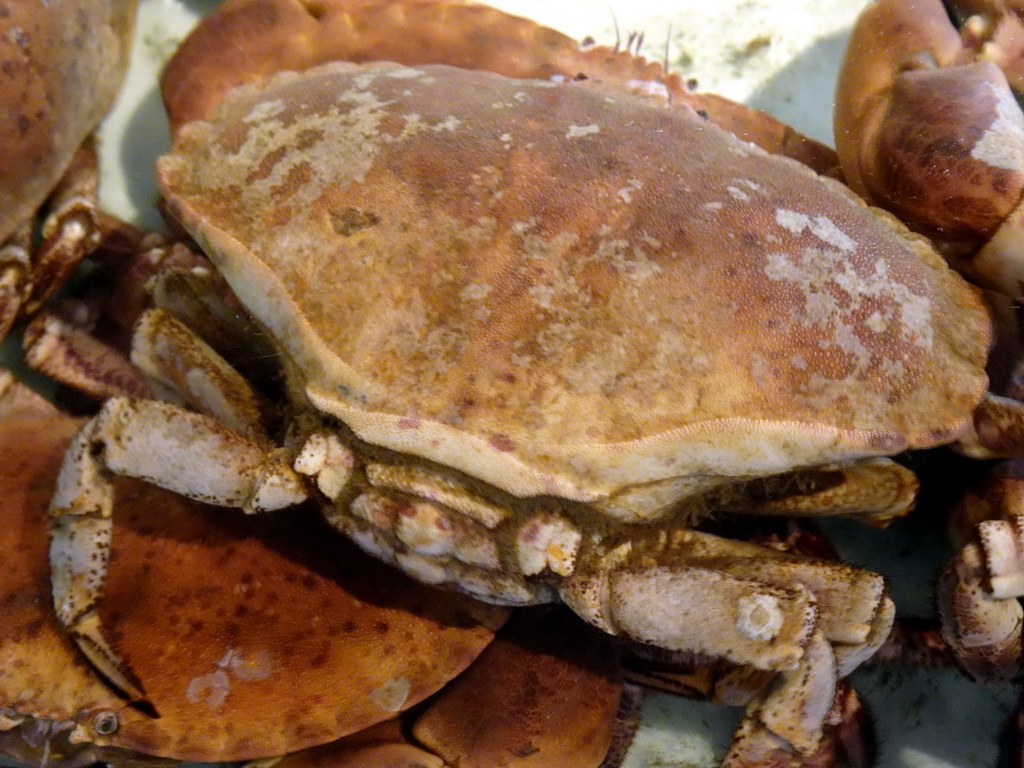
565	289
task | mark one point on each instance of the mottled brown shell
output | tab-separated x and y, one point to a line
61	65
242	41
561	288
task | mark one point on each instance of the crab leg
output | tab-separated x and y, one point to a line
848	617
998	429
71	355
979	591
187	453
70	232
191	454
172	355
846	604
805	622
874	491
14	267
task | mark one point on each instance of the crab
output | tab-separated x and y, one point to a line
279	654
531	332
927	125
63	65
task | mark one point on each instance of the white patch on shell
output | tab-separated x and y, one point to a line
821	227
758	617
1002	144
475	292
264	110
19	36
257	666
628	259
392	694
213	688
356	129
450	123
760	369
833	291
576	131
648	88
415	124
626	193
405	73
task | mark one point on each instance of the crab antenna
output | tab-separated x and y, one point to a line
668	46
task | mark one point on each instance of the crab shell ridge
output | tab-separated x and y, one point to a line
560	288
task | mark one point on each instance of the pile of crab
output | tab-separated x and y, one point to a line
476	318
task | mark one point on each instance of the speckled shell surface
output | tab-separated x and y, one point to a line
61	65
565	289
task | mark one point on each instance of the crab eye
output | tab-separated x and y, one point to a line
105	723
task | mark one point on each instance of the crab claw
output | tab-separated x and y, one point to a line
979	589
926	125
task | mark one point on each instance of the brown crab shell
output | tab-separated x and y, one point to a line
252	637
242	41
61	65
563	289
551	686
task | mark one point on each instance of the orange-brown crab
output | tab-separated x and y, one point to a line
500	315
291	646
62	64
